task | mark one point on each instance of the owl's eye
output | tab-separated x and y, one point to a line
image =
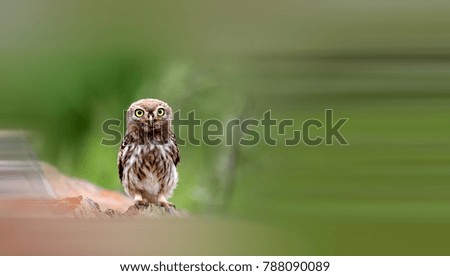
139	113
160	112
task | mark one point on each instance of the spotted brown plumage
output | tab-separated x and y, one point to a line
149	154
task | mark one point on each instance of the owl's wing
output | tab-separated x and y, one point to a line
125	142
175	152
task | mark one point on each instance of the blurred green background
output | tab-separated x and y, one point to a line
65	67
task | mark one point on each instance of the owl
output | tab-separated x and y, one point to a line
149	154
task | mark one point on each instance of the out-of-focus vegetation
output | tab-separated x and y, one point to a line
67	67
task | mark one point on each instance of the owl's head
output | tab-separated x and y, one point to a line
149	115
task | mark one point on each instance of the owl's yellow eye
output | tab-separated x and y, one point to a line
139	113
160	112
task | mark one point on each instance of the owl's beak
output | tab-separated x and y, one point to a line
150	120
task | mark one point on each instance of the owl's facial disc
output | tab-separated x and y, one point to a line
157	117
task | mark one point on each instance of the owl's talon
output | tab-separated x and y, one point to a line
141	203
167	205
